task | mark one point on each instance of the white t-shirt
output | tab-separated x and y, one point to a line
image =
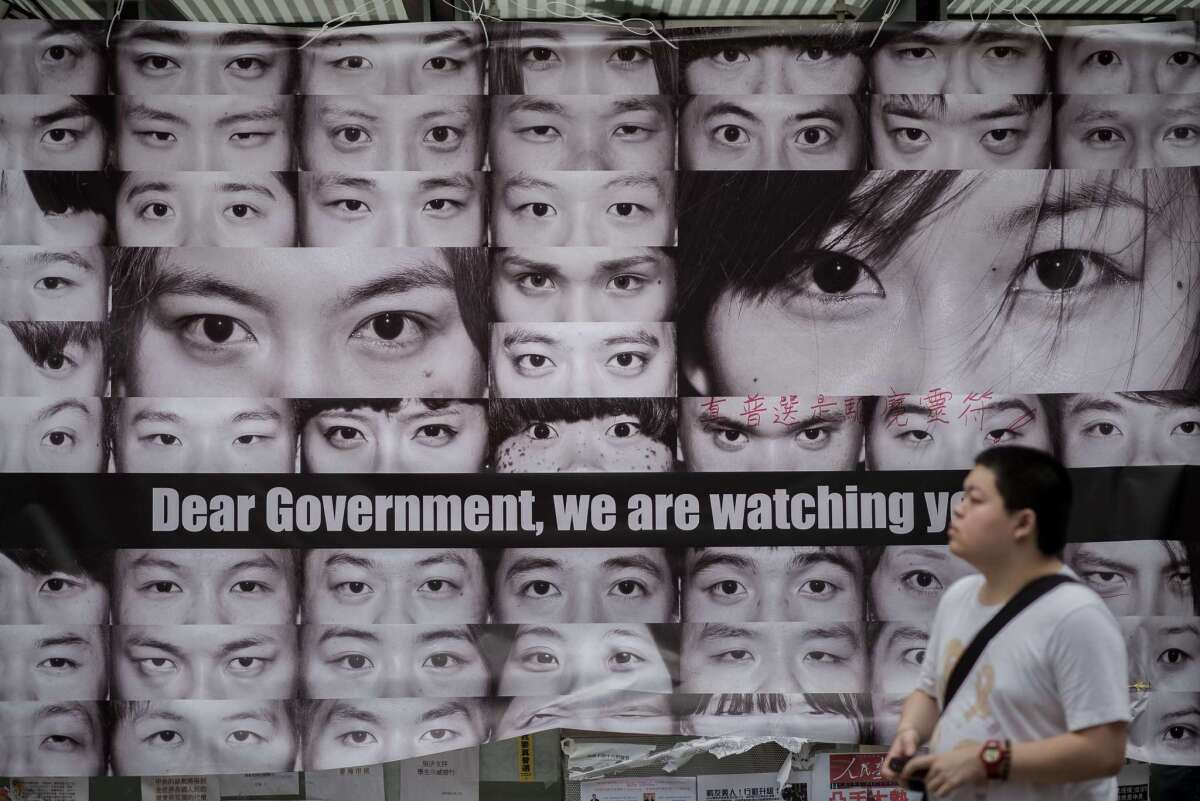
1058	666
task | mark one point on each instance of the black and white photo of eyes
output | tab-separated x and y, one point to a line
424	133
585	208
920	132
344	732
206	209
55	132
52	359
827	717
408	59
961	58
1163	652
582	284
582	360
392	435
43	57
624	711
43	586
383	209
1129	428
51	435
54	662
1125	131
55	738
202	435
582	132
236	133
50	283
1150	58
579	59
812	59
772	132
55	208
155	57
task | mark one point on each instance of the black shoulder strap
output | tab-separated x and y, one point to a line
1027	595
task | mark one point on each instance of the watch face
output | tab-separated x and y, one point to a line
991	754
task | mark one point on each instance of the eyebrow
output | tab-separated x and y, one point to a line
62	639
803	561
443	35
1091	195
162	714
263	561
72	257
350	560
62	406
461	634
443	558
548	632
799	425
1183	628
327	111
723	631
242	186
841	631
155	416
637	180
426	275
523	336
246	36
143	112
639	338
72	111
262	415
1093	403
726	107
339	39
343	711
444	711
333	180
907	634
636	561
1181	713
347	632
996	407
146	187
146	560
234	646
899	106
149	642
159	33
523	180
458	180
192	283
75	710
260	114
538	105
527	564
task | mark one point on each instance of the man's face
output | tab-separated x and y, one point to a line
198	737
408	59
773	657
173	58
52	284
583	360
1112	430
1129	59
53	662
40	435
1163	652
392	662
414	438
919	435
728	585
625	712
582	132
584	60
923	132
43	57
735	434
770	714
378	209
429	133
1037	335
65	368
238	133
50	132
205	435
204	662
209	585
58	739
29	595
346	732
304	323
771	132
909	580
803	66
24	222
1128	131
1135	577
198	209
981	526
584	585
961	58
900	650
394	586
611	443
581	657
583	208
559	285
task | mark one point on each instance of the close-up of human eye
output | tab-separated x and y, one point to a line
539	58
248	66
1069	271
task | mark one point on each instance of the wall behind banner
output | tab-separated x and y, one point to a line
391	249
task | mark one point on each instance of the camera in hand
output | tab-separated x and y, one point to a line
917	782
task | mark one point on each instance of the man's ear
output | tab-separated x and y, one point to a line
1026	526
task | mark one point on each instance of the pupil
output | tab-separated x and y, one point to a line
437	62
354	62
240	210
357	586
537	360
54	585
1060	271
624	209
836	277
353	205
541	431
1106	428
55	361
626	587
388	326
218	329
729	587
1106	58
730	55
353	134
57	438
435	584
627	54
624	359
541	587
159	210
731	133
356	661
622	430
162	586
812	136
57	53
440	134
924	579
540	209
541	54
53	283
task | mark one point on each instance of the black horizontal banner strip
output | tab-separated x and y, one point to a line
469	510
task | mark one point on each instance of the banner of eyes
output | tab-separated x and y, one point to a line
760	253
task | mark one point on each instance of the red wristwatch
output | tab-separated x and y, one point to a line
996	757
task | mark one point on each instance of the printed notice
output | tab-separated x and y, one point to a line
450	776
649	788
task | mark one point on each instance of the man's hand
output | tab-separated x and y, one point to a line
904	746
949	770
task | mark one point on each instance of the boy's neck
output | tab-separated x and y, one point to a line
1003	580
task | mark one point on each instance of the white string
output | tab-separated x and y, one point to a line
334	23
892	7
1014	12
112	22
475	12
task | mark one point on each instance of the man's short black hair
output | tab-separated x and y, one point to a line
1031	479
94	564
